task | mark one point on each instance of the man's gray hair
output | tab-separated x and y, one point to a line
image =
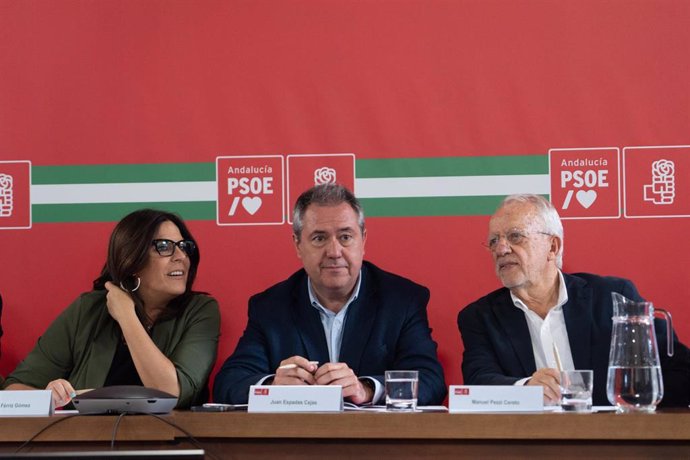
547	212
324	195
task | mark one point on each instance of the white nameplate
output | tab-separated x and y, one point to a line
19	403
295	398
495	398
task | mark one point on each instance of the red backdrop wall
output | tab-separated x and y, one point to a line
130	82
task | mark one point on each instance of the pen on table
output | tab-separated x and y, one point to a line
76	393
288	366
557	357
294	366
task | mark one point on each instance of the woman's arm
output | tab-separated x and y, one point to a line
19	386
51	360
154	368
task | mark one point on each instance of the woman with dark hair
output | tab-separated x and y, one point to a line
141	325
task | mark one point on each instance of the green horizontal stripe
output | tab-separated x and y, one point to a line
206	210
453	166
113	212
365	168
110	174
437	206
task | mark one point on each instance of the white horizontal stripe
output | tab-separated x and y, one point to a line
149	192
400	187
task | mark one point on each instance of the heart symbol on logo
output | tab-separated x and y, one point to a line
586	198
251	204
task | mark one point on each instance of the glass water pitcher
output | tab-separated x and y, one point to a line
634	382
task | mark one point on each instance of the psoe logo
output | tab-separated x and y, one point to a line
656	181
662	190
15	194
250	190
260	391
325	175
585	182
462	391
307	170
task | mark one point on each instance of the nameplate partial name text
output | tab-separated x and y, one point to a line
495	398
295	398
20	403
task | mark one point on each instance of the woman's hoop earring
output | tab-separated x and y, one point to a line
135	287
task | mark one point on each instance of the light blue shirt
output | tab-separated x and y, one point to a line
333	328
334	323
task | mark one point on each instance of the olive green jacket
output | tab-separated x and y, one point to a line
80	344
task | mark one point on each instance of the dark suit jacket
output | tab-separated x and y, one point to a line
386	328
498	348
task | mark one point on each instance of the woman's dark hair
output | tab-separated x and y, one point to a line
129	251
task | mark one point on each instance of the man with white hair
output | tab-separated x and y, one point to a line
510	334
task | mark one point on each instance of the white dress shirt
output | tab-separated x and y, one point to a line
548	331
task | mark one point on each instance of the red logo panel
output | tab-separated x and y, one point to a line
462	391
261	391
250	190
15	194
585	182
305	171
657	181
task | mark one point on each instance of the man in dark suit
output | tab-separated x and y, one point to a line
510	335
339	320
